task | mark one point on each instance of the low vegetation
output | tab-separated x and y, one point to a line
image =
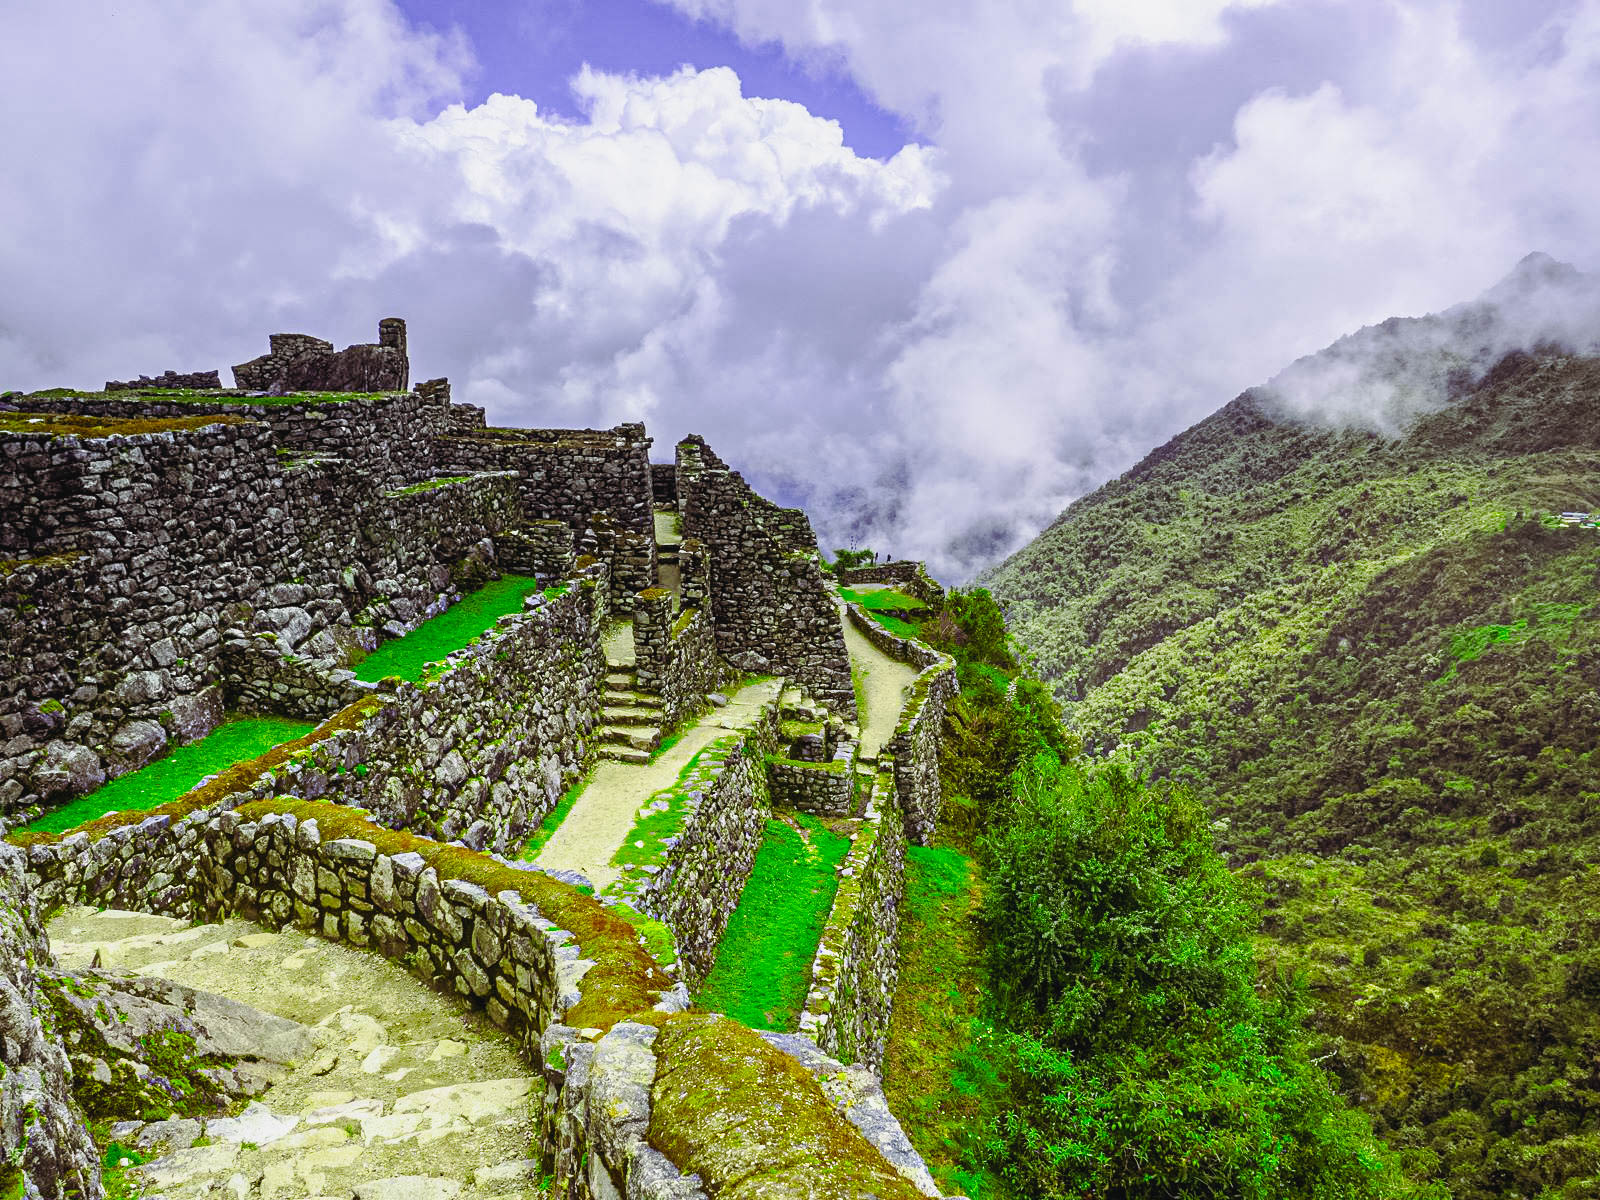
475	613
1122	1043
763	963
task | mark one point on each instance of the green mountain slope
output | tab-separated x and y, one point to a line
1378	668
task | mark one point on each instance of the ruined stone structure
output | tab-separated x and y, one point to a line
166	558
167	379
299	362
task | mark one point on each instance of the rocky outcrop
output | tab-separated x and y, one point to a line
45	1151
143	1046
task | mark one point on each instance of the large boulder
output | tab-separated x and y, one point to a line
67	769
146	1047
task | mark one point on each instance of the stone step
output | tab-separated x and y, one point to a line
627	714
623	681
626	754
629	735
629	699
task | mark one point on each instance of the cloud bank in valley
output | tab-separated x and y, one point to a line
1116	217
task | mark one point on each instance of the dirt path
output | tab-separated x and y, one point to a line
407	1095
608	806
884	681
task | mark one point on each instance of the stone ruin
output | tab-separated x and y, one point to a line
299	362
165	559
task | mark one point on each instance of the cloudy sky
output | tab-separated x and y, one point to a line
931	269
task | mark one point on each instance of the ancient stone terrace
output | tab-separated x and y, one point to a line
173	556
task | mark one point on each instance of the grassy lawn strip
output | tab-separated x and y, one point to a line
938	1082
895	625
167	778
877	599
764	963
449	631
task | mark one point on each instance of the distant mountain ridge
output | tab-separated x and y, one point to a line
1356	642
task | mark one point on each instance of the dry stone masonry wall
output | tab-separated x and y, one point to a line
45	1152
727	804
771	606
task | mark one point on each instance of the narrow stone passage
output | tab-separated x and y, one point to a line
608	806
884	684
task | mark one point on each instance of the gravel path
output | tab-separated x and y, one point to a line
885	682
609	804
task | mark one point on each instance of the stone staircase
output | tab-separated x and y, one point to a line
631	720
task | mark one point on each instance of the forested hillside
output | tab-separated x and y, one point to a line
1374	659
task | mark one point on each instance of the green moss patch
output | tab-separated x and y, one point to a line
67	425
752	1122
166	779
407	657
625	979
763	966
429	485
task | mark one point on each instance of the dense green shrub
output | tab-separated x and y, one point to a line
1140	1059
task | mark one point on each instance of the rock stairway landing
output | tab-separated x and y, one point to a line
631	720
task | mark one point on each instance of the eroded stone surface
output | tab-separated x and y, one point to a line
448	1115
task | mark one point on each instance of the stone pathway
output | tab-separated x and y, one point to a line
608	806
407	1096
884	682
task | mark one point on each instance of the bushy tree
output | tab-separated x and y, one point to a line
1140	1059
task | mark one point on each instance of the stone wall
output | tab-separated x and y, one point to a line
133	544
824	789
543	549
770	605
664	484
258	677
908	575
189	381
45	1151
676	656
857	965
699	885
563	474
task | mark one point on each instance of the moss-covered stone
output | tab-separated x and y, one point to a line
752	1122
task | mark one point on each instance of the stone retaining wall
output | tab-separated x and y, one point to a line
564	474
45	1151
257	677
853	977
824	789
727	804
914	747
908	575
676	656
